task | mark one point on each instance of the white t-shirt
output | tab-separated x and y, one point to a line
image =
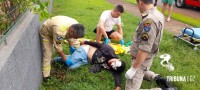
109	21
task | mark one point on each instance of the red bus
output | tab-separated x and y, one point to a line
183	3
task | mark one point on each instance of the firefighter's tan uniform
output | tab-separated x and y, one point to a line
53	32
147	38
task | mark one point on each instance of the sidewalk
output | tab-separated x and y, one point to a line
188	11
173	26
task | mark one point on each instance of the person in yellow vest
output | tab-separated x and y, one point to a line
54	30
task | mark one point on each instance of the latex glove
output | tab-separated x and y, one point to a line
72	49
130	73
69	61
106	41
121	42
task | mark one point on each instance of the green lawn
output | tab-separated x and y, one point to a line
87	12
131	1
177	16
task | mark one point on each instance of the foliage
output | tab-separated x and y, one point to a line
10	10
37	6
41	8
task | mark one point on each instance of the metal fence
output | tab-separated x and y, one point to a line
10	11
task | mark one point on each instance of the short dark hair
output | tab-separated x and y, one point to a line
146	1
78	30
155	3
119	8
122	67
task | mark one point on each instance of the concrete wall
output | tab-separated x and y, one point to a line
21	57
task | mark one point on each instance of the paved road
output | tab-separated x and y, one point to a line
189	11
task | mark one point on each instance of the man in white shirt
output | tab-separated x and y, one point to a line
108	19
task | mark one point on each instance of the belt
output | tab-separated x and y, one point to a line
94	57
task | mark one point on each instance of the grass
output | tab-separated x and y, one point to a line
131	1
177	16
87	12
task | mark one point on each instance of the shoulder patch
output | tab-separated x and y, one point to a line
147	25
145	37
59	38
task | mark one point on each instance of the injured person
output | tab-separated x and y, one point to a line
100	56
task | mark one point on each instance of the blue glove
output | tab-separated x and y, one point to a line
69	61
72	49
106	41
121	42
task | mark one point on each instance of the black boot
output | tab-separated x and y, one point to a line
46	79
163	83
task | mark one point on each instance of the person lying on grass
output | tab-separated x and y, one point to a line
100	56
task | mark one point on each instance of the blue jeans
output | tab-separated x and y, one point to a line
77	59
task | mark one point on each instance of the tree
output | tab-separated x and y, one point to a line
10	10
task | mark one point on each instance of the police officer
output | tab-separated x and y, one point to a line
53	32
145	45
